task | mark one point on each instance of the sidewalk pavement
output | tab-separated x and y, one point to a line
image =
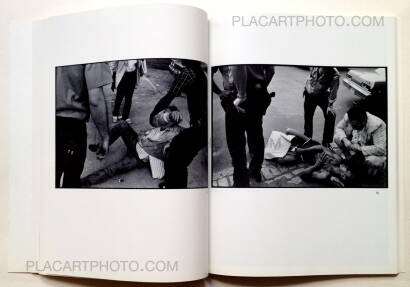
273	175
154	85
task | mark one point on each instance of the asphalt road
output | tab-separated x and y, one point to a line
285	111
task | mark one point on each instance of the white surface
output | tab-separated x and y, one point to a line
23	9
23	211
282	231
129	225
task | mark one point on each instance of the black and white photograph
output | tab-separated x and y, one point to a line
134	123
299	126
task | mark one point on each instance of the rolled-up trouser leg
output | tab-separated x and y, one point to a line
126	164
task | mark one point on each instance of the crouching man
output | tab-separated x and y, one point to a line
362	132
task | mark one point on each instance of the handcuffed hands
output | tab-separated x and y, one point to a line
175	116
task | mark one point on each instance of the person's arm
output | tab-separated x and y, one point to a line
340	137
269	73
98	79
295	133
334	87
215	88
113	66
240	76
315	148
318	164
185	78
99	114
378	148
166	118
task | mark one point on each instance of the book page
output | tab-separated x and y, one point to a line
23	213
120	144
304	149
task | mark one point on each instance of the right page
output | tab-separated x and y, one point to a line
304	145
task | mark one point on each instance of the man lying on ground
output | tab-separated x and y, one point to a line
147	148
328	165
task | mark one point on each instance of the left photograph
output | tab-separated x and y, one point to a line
134	123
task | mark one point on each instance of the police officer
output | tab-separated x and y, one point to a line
245	105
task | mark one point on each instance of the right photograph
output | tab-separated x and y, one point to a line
299	126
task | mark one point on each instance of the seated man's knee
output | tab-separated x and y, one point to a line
376	161
376	165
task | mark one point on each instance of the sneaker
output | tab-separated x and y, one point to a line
128	121
114	119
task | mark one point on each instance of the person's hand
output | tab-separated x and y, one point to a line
103	148
355	147
237	103
175	116
347	143
225	94
100	146
331	109
321	160
336	182
299	150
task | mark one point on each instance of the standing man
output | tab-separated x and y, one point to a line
126	75
245	104
80	91
185	146
321	90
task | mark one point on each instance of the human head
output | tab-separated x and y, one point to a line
171	110
357	116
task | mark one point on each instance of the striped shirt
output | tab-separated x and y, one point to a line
321	80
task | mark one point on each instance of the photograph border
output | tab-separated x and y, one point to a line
298	187
119	188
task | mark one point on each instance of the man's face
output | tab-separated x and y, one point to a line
358	124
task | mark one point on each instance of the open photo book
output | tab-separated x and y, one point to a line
152	143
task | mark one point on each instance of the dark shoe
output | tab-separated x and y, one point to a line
256	175
241	184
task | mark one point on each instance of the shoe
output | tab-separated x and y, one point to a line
128	121
114	119
256	175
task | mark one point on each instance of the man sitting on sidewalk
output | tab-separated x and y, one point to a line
149	147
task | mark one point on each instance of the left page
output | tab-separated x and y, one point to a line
119	145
